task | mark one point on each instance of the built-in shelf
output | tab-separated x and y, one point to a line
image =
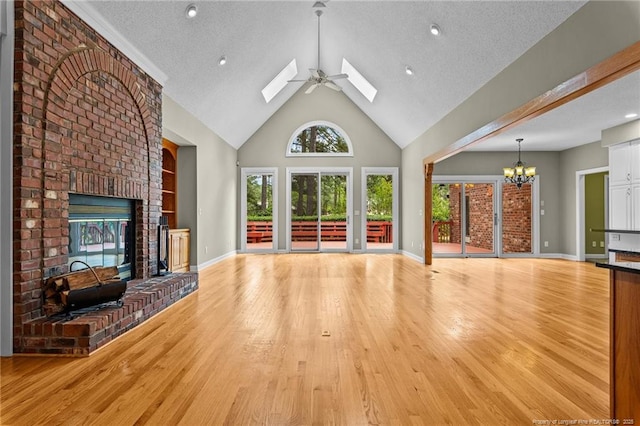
169	182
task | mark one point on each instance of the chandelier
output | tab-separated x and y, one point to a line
519	174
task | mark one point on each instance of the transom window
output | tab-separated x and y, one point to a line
319	138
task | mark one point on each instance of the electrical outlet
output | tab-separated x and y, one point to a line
615	237
542	212
546	243
357	240
593	243
206	249
601	243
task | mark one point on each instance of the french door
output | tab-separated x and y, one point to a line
319	209
259	210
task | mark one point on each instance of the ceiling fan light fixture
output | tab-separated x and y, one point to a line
408	70
222	60
191	11
435	30
319	4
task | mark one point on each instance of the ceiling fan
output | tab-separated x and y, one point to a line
319	77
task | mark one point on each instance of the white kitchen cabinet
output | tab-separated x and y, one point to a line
624	186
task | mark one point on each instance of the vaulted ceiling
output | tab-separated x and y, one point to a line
380	38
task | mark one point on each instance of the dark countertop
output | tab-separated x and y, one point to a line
632	267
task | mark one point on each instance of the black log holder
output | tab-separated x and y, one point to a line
102	292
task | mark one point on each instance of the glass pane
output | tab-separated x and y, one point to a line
379	212
447	219
479	221
304	212
259	211
319	139
333	220
516	219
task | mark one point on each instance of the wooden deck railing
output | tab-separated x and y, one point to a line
442	231
377	231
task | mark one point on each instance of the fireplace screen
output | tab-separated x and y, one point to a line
101	232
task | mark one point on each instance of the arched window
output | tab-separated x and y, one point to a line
319	138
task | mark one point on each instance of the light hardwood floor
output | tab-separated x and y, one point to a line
465	341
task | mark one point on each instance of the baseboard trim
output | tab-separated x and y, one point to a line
564	256
205	265
411	256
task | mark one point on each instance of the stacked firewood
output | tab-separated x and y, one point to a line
56	289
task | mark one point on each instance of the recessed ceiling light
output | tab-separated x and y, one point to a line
435	30
408	70
632	115
222	60
192	11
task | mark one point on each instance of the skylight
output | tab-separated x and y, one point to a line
358	80
280	81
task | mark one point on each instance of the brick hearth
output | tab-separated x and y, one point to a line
91	328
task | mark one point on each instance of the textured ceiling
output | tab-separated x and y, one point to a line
578	122
379	38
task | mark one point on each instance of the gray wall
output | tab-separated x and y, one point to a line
584	157
267	147
573	47
6	180
548	168
207	184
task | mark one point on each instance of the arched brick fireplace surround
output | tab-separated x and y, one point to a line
87	120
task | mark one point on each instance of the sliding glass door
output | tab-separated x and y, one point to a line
319	209
483	216
464	220
517	219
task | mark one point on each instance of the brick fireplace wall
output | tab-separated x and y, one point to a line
86	120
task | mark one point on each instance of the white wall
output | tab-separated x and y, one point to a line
267	147
6	180
573	47
207	184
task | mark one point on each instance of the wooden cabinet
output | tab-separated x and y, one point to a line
624	186
179	243
170	182
625	345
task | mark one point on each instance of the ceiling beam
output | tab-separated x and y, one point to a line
617	66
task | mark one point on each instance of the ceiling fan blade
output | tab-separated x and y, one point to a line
311	89
332	85
295	81
315	73
338	76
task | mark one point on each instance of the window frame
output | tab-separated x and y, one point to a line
337	128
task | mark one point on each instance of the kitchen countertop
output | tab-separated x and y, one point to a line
633	267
